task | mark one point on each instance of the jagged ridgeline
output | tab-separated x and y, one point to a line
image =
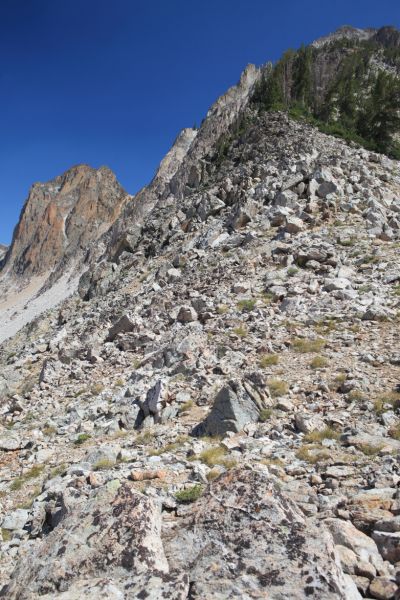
347	85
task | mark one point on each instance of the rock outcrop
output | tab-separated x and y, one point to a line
244	538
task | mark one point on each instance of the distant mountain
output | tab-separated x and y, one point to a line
61	217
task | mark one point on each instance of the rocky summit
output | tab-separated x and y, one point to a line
200	384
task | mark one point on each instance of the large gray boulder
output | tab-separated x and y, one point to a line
124	325
236	405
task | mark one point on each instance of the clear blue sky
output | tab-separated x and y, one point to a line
113	81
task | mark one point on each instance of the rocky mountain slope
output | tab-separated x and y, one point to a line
216	412
3	251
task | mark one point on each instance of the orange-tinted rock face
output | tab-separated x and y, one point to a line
62	217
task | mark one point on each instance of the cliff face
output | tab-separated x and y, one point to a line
61	217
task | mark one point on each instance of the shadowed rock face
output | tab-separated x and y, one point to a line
61	217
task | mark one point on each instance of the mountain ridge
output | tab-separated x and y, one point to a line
214	410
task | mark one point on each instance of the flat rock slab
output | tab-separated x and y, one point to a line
12	441
365	440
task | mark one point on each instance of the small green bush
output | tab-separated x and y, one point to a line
186	406
277	387
394	432
82	438
312	454
303	345
19	482
145	438
319	362
240	331
392	399
6	535
265	414
268	360
189	494
222	309
370	449
103	464
246	305
326	434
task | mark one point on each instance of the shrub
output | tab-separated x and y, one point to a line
213	456
370	449
48	431
145	438
268	360
272	462
213	474
326	434
169	447
267	297
392	399
189	494
312	454
103	464
57	471
82	438
394	432
347	242
319	362
303	345
241	331
326	325
97	388
265	414
186	406
246	305
355	395
6	535
277	387
222	309
34	472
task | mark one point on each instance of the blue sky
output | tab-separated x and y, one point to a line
113	81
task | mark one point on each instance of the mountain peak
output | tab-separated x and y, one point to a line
345	32
62	216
